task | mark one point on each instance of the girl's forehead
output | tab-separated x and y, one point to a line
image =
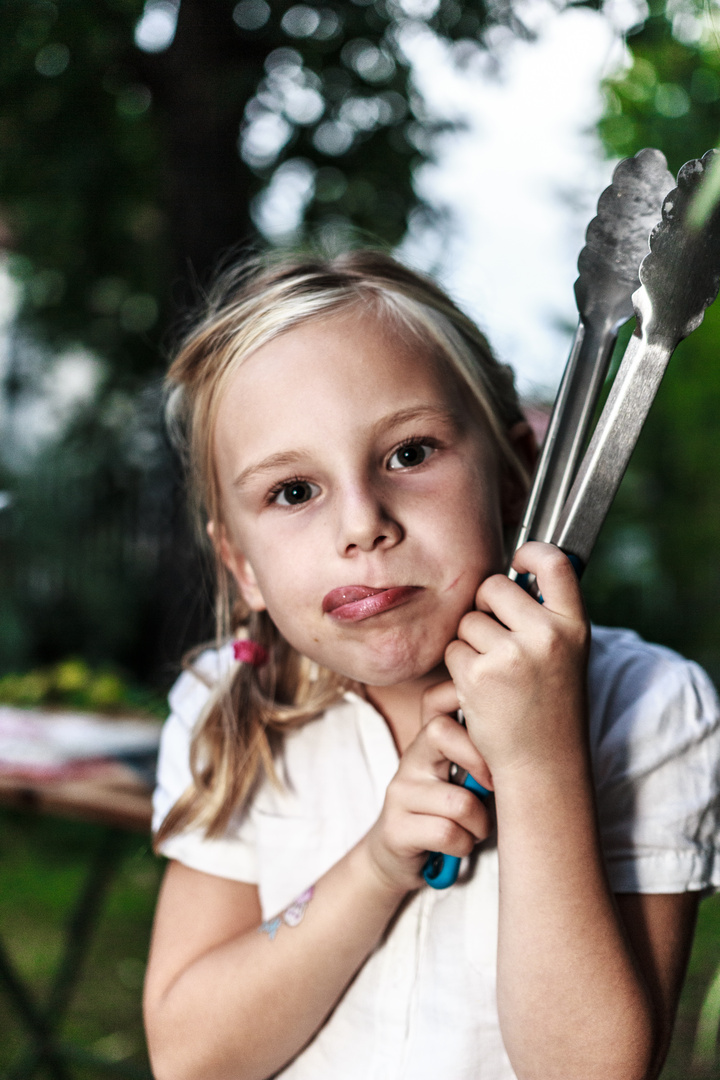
331	378
351	352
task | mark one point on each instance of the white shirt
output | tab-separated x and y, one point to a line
424	1003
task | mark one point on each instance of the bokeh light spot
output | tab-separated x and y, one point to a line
156	27
671	100
251	14
133	100
301	21
52	60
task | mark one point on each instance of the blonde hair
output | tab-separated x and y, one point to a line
240	731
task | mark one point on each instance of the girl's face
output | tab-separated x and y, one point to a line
361	503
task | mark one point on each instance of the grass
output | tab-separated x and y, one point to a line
704	963
44	863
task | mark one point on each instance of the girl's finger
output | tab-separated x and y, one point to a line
556	578
454	804
439	700
425	833
508	603
505	604
480	630
441	742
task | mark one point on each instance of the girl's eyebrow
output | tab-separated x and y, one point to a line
289	458
428	413
283	459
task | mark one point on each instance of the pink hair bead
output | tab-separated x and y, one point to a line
250	652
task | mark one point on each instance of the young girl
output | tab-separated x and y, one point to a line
361	461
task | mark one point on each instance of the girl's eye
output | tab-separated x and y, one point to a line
294	493
414	453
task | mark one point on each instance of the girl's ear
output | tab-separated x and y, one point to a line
238	565
513	493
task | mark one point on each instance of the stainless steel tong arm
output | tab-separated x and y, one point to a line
680	278
616	243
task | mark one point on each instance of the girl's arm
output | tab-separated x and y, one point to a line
227	997
660	930
577	993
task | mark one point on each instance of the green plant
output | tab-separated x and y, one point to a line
73	683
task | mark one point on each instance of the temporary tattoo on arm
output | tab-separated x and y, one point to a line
270	928
291	916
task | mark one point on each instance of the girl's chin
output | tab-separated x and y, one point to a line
387	671
394	660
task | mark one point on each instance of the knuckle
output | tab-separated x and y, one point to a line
429	695
563	640
427	702
431	730
436	729
492	584
437	700
550	639
452	646
459	802
486	825
453	840
466	843
397	797
557	559
512	656
447	835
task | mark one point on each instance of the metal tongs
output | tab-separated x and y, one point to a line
616	242
678	279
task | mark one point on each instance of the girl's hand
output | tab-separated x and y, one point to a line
422	810
519	666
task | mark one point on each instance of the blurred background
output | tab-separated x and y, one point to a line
141	144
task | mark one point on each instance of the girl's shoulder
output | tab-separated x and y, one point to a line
197	683
188	700
333	772
642	688
655	745
308	757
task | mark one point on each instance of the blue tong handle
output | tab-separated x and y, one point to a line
441	871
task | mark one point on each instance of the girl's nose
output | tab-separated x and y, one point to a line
366	524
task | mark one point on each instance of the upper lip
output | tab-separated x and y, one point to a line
347	594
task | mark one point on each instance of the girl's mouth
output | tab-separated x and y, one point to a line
351	603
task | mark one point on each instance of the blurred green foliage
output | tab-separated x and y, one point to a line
87	557
656	566
123	168
130	165
74	684
80	178
669	96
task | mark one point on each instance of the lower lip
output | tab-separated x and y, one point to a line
375	604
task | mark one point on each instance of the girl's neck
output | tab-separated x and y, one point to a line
401	705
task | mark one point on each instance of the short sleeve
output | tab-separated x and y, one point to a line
229	856
656	735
